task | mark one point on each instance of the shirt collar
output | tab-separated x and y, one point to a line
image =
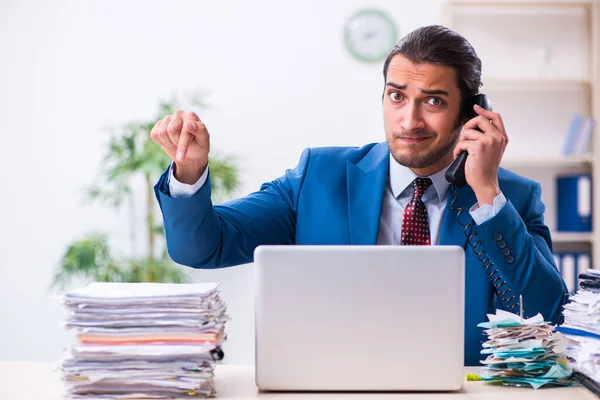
401	177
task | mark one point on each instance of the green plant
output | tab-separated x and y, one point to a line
129	156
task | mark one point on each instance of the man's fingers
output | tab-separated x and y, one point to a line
464	145
459	148
191	130
176	133
471	134
184	143
493	116
196	128
467	138
153	132
163	135
174	128
156	133
481	122
190	116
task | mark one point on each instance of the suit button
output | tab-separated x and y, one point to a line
501	244
498	236
509	259
505	251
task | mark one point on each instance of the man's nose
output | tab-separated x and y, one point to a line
411	118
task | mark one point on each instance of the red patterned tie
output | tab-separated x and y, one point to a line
415	225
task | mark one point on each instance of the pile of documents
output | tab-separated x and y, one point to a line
581	327
143	340
521	352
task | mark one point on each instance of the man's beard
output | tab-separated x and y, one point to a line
433	156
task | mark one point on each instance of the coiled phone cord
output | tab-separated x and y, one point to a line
486	261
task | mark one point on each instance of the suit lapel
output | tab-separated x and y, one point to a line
366	185
452	232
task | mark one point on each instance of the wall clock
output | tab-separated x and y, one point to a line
370	35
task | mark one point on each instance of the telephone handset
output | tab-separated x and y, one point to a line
455	175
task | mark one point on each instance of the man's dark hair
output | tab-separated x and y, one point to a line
436	44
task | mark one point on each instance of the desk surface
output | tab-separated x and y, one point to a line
29	381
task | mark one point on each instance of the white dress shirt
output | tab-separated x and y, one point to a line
180	190
398	193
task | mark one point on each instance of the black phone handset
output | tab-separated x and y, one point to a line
456	172
455	175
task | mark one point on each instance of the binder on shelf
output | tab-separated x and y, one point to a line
584	262
570	265
568	271
572	134
574	203
582	142
578	136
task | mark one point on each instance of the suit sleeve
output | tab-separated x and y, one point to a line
202	235
521	249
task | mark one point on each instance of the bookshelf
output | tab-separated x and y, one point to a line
572	237
537	84
552	162
541	66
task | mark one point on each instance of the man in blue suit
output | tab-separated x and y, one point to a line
392	193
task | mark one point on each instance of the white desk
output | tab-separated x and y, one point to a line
29	381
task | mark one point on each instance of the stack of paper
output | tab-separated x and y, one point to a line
143	340
582	331
521	352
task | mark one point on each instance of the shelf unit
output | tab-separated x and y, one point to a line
543	84
572	237
541	65
551	162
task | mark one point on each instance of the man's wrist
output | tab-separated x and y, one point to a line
487	195
188	174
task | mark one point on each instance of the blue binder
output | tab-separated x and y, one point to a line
574	203
570	264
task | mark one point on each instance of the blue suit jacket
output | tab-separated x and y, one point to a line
334	196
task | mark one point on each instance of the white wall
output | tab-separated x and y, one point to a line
280	80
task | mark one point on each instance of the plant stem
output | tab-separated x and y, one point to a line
132	232
150	217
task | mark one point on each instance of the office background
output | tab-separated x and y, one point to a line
278	79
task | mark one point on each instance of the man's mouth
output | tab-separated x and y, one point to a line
419	139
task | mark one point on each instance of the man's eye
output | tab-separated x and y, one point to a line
435	101
395	96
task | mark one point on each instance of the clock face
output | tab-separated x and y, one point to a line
370	35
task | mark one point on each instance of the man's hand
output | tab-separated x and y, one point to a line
485	153
186	141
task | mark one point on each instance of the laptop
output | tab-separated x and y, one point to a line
359	318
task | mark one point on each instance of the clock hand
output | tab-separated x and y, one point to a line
370	34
